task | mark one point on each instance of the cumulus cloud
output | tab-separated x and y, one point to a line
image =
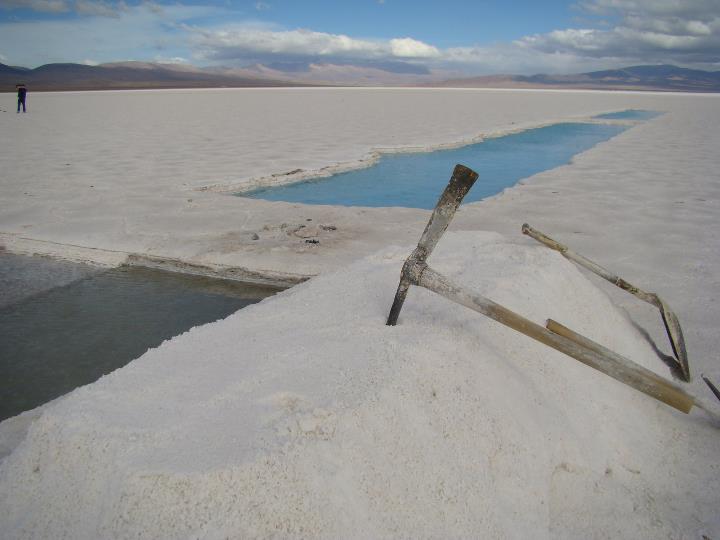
247	42
684	9
615	33
623	32
411	48
650	31
139	32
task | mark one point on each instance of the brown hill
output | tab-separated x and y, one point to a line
127	75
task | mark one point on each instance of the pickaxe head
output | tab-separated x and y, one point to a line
460	183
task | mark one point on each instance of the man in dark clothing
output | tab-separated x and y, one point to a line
22	92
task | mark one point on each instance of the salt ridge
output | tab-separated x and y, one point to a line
280	421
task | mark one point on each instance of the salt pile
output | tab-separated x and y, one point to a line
306	416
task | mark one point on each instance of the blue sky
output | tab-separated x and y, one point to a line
451	37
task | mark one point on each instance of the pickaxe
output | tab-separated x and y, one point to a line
415	271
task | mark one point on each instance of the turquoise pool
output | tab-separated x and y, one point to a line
415	180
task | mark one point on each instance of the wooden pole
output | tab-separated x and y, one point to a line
670	320
624	371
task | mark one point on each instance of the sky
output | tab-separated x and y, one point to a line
453	37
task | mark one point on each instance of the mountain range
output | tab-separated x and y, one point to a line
659	78
130	75
137	75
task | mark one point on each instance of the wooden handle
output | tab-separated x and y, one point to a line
672	324
628	372
625	371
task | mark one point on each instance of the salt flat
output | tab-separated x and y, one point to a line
329	423
96	176
100	175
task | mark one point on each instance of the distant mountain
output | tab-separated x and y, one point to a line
137	75
658	78
13	70
129	75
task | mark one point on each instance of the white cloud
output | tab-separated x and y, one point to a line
224	43
626	32
177	60
515	59
683	9
411	48
644	31
139	32
615	33
247	42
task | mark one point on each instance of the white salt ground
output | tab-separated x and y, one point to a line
305	411
100	175
306	416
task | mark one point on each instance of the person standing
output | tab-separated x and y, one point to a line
22	92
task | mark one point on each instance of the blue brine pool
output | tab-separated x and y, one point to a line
630	114
415	180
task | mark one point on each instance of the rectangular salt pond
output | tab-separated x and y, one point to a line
64	325
415	180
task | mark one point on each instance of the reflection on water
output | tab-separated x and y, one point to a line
416	180
64	325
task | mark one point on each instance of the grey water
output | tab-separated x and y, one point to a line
415	180
64	325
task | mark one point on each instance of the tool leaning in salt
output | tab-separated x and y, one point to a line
415	271
672	324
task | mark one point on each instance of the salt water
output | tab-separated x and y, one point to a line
415	180
64	325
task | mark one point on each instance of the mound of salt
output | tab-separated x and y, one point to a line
305	415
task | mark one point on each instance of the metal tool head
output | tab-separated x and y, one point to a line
461	181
